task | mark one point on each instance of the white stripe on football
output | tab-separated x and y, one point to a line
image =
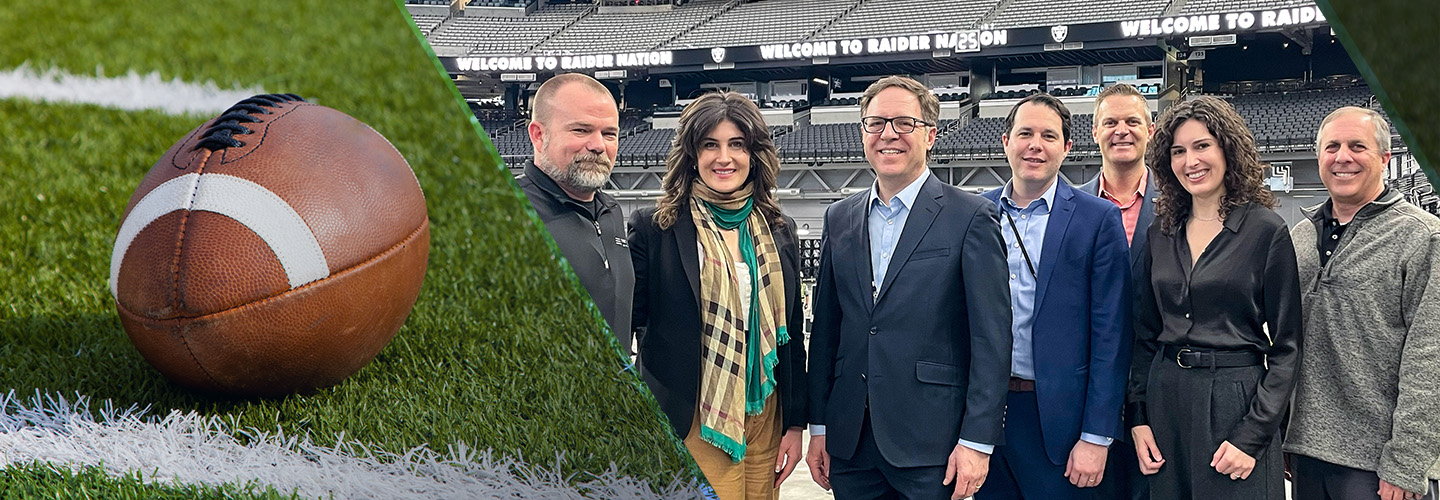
264	212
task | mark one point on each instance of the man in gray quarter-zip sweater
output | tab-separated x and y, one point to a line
1365	422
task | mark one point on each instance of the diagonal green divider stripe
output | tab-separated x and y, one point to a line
625	368
1392	44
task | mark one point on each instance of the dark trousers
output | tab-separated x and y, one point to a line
867	475
1315	479
1020	469
1123	480
1192	411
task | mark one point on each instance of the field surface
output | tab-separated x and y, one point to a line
503	366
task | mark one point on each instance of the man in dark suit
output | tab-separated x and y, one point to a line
1122	130
1069	276
911	343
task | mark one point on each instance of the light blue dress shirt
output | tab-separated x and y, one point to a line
885	222
1031	222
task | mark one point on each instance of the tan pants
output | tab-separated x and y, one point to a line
754	477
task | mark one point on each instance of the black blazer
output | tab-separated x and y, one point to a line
931	355
667	313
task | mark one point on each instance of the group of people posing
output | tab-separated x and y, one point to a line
1157	332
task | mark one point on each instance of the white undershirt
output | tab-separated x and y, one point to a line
742	277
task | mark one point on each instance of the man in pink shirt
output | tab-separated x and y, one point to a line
1122	130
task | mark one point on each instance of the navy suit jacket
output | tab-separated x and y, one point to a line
1081	337
931	355
1142	224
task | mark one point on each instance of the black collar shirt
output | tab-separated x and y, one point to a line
1242	294
1330	231
591	236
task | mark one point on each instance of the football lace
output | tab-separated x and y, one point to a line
221	134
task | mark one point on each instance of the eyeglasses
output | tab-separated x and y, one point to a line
901	124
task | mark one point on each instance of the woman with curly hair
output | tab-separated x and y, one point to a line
717	296
1217	330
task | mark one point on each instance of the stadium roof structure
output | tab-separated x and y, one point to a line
1109	39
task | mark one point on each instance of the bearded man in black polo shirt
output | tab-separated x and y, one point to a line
575	130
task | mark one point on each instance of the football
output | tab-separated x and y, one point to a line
275	249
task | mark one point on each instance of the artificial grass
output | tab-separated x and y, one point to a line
1390	41
36	480
502	351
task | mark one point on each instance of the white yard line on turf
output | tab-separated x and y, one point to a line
131	91
189	448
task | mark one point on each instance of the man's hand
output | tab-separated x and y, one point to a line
1086	467
1232	462
967	468
789	454
1146	450
818	460
1391	492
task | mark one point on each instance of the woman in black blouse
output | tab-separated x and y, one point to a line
1217	332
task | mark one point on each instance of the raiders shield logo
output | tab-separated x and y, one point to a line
1058	33
717	54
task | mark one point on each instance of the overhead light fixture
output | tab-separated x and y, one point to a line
819	81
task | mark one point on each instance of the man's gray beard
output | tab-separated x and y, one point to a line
580	177
575	176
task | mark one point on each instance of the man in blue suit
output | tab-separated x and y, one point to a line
1122	130
1069	277
911	343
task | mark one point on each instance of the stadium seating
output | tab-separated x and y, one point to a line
1024	13
905	17
1214	6
497	3
757	23
646	148
427	22
630	125
579	28
1286	121
1417	190
629	31
826	142
1280	122
507	35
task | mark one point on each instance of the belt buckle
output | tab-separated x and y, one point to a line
1182	353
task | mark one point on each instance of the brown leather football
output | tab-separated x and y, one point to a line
275	249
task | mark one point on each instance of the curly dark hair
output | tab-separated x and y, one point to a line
697	120
1244	173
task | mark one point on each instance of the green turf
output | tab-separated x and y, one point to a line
43	481
1391	42
501	351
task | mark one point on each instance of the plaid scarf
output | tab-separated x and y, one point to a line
738	359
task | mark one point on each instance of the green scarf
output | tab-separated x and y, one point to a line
725	397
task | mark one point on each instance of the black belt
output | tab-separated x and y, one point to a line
1018	384
1196	357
